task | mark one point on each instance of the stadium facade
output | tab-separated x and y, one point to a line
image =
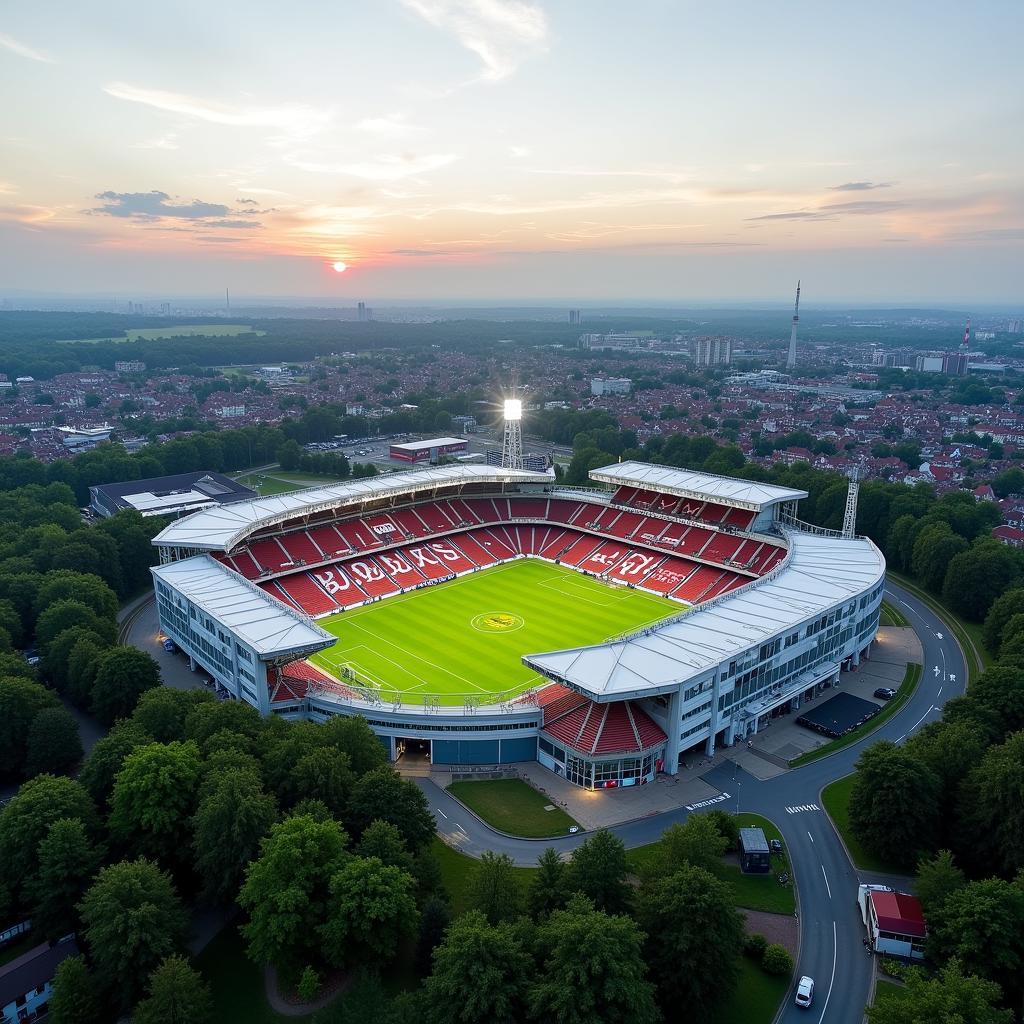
771	610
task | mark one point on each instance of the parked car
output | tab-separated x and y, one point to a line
885	693
805	992
170	646
775	845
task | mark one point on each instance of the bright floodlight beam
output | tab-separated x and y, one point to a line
512	443
513	409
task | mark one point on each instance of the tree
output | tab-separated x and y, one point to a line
234	815
354	737
938	878
309	985
697	841
480	973
371	909
68	859
598	870
87	588
154	799
161	712
65	614
583	943
950	998
382	840
936	545
286	890
53	742
132	921
75	999
991	809
26	820
1001	690
177	994
324	774
21	700
381	794
82	663
1003	609
435	918
494	889
982	926
895	804
695	937
548	889
106	758
975	578
123	675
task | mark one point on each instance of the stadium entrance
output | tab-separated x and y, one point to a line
413	752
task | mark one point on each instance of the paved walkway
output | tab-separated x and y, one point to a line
282	1006
141	629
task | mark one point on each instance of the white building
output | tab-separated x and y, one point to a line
610	386
755	643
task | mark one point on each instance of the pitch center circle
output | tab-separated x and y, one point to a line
497	622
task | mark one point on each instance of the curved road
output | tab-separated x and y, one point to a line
831	949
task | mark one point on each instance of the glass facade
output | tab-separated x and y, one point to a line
603	773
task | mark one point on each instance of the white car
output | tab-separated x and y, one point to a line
805	992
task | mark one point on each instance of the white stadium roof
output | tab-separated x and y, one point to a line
256	618
819	574
747	494
222	527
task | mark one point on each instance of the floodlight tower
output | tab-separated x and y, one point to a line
791	358
512	444
850	513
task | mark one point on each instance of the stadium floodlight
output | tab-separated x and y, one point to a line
512	443
513	408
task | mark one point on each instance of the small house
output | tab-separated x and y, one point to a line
755	856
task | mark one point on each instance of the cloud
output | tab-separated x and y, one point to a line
24	50
230	222
392	127
166	141
383	168
863	207
860	186
295	119
153	205
502	33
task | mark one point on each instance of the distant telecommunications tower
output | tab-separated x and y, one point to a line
512	445
966	343
791	358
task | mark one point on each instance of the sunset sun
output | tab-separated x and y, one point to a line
339	267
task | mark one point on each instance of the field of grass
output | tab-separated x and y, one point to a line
890	991
911	678
181	331
266	483
756	997
836	799
465	639
236	982
513	806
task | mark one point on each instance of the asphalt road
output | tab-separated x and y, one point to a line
831	950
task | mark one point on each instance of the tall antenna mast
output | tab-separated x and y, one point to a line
791	358
850	513
966	343
227	299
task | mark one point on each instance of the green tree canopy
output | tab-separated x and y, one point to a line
938	878
68	860
175	993
133	921
123	675
75	998
21	700
53	742
548	890
494	889
381	794
598	870
949	998
107	756
162	712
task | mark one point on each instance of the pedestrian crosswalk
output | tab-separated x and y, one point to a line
798	808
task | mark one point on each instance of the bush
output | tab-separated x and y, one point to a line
755	946
776	960
309	985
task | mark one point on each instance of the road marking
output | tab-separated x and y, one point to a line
937	670
833	978
902	738
707	803
809	836
443	815
939	694
798	808
828	888
460	828
952	678
922	718
938	636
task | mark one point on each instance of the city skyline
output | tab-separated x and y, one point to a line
503	150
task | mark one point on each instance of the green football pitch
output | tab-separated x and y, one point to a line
464	639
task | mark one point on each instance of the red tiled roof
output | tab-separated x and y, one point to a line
898	912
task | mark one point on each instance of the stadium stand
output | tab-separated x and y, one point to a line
615	728
372	578
580	549
301	548
306	595
474	549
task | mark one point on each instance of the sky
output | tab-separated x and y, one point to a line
585	151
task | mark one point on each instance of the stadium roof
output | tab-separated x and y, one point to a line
821	572
747	494
268	626
431	442
221	528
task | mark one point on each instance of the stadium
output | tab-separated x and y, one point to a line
487	616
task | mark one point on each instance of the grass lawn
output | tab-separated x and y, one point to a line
456	869
756	998
889	991
836	798
890	615
911	678
265	484
465	639
513	806
236	982
752	892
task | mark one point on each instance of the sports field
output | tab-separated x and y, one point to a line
464	639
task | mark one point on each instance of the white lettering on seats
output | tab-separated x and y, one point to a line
368	572
331	583
422	557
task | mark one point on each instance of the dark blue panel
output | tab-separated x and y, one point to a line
522	748
478	752
444	752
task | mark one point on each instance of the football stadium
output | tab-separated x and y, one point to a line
485	616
